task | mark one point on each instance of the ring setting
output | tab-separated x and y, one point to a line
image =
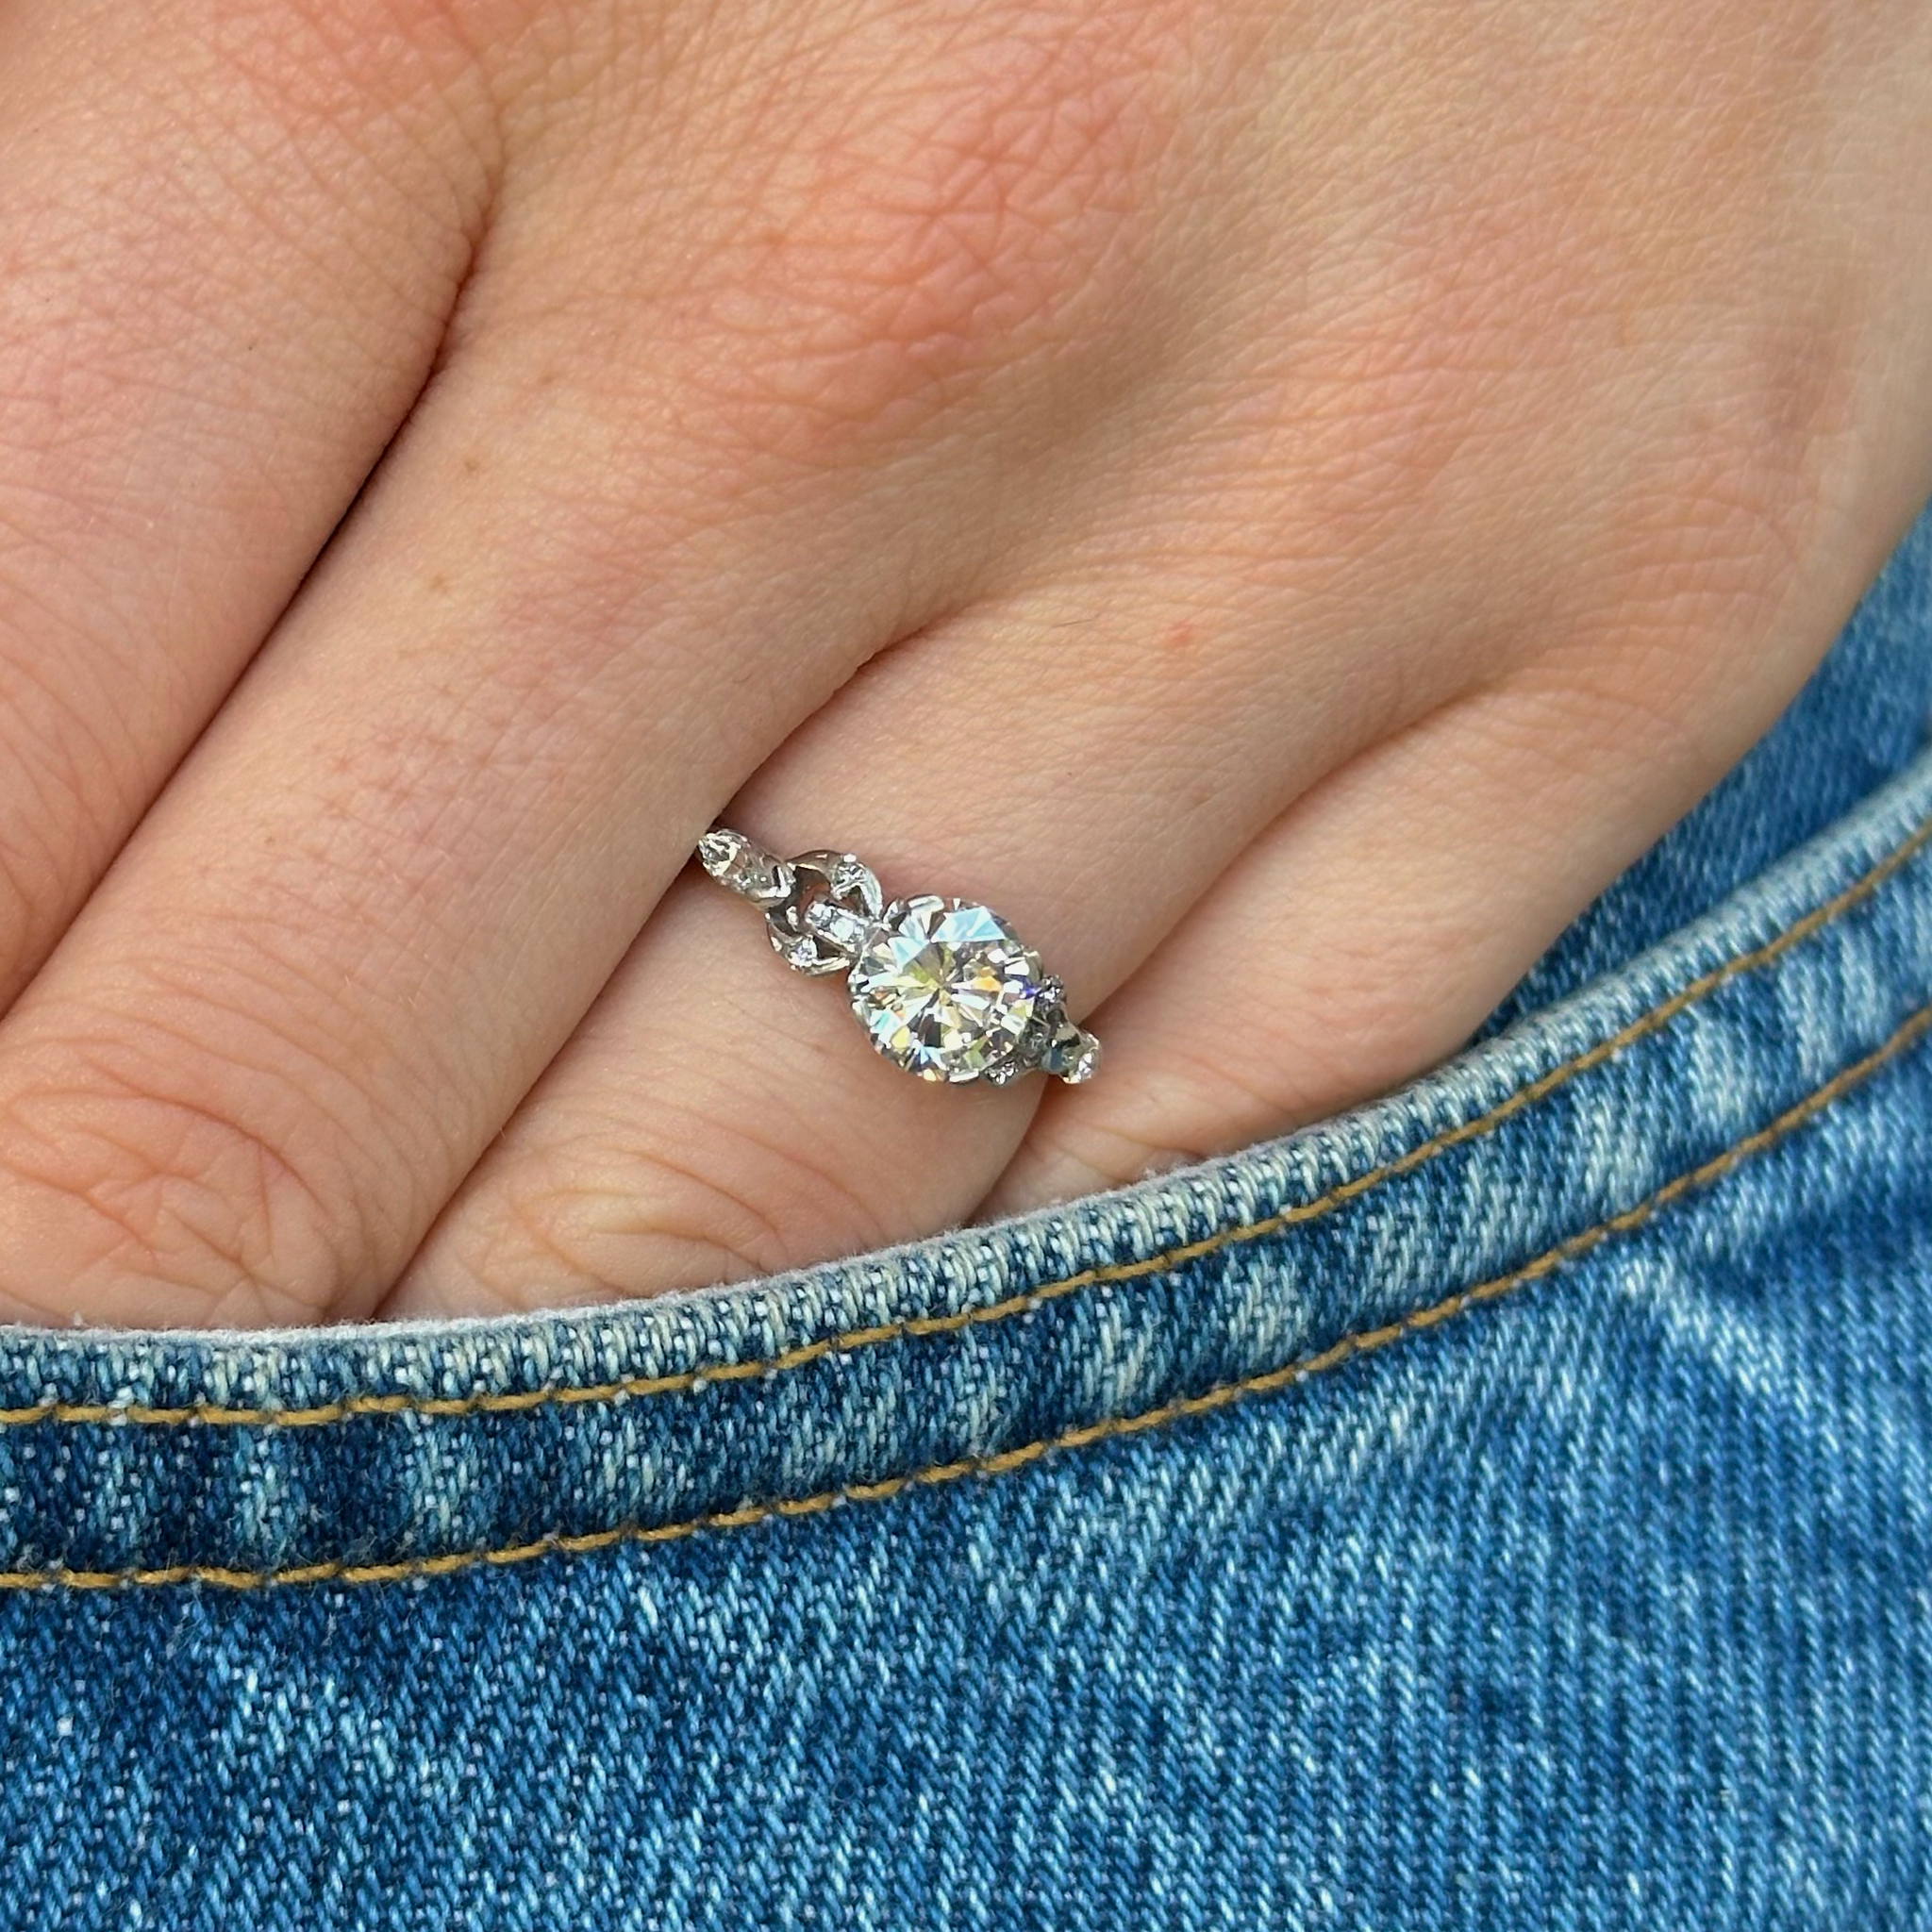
943	987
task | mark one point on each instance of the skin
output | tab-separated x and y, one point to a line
1283	500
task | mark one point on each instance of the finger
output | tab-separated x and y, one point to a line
1076	762
1366	936
228	248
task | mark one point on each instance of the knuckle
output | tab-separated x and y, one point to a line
156	1184
328	59
610	1212
1368	1008
1461	367
936	211
1074	1163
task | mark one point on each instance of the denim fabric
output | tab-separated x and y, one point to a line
1507	1506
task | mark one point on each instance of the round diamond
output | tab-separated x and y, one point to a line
945	989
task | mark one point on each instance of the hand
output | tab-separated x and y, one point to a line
1284	501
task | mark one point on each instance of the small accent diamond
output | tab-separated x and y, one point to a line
744	867
1074	1055
838	925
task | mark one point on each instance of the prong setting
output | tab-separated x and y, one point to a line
825	920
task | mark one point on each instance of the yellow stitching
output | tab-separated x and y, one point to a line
489	1402
1269	1382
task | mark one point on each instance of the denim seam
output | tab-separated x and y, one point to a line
1271	1381
494	1402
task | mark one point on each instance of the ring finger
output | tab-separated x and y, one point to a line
1084	768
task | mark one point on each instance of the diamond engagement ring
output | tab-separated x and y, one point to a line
943	987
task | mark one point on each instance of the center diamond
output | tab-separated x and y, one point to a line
945	989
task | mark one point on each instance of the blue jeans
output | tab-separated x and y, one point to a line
1507	1506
